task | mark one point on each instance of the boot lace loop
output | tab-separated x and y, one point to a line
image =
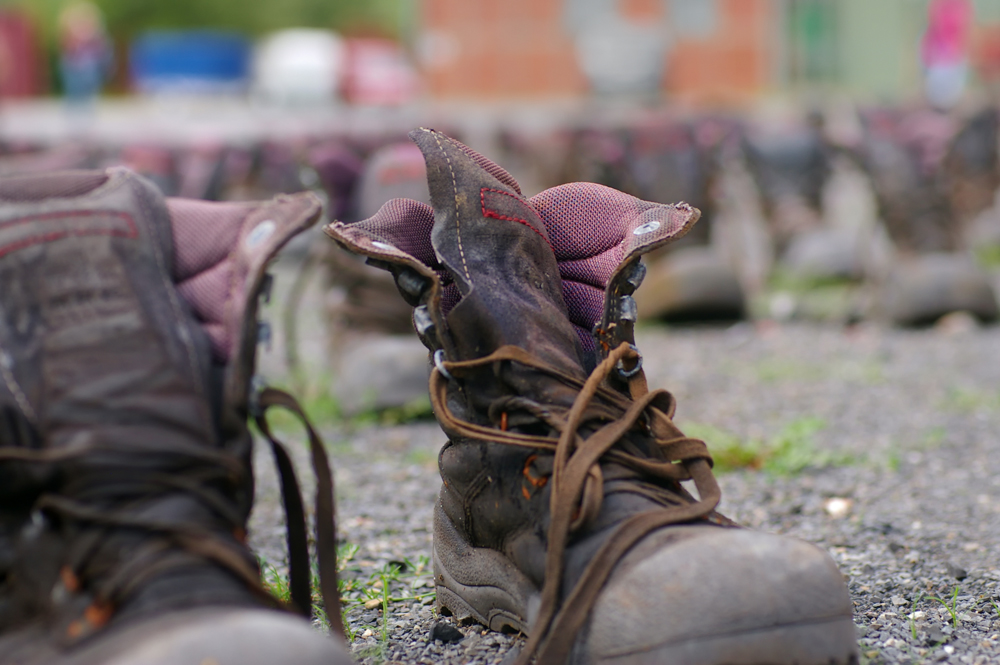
577	480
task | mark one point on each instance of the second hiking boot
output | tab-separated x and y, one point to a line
127	338
562	512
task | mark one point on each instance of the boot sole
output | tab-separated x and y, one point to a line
496	599
482	585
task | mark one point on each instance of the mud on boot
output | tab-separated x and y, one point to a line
127	341
562	512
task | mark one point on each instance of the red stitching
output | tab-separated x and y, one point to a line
489	213
58	235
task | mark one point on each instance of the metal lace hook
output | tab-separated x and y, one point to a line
439	364
629	373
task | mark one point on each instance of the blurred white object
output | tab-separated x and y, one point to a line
838	507
945	83
618	53
299	66
379	73
619	56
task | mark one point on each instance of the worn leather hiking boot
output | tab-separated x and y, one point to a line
562	512
127	341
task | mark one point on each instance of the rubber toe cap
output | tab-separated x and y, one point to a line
713	595
216	637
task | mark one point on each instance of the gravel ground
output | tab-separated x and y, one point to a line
874	444
898	482
912	514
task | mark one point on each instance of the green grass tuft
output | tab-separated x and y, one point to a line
988	256
970	400
791	451
416	410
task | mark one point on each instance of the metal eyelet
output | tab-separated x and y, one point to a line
422	321
412	283
257	386
439	364
629	373
627	309
635	277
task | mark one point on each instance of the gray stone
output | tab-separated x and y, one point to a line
825	254
922	289
445	632
692	284
379	372
935	636
956	571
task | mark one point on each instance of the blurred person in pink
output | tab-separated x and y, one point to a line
85	57
945	51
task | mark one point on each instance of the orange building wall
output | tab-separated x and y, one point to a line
499	48
520	49
732	65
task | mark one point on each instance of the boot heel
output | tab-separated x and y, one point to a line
479	584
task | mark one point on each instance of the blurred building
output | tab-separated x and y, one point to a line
718	50
701	51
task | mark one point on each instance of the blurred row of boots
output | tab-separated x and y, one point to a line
840	215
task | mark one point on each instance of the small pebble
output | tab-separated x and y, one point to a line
956	571
445	632
838	507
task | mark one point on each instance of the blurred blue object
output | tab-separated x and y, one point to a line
199	61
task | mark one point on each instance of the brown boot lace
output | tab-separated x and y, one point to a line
577	479
109	485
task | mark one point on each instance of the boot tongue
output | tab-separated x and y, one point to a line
498	251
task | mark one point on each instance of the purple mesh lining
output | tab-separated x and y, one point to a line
405	224
586	338
596	270
584	302
589	226
208	293
205	235
450	296
584	219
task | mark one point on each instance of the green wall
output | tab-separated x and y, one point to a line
879	47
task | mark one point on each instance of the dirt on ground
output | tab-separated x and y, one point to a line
874	443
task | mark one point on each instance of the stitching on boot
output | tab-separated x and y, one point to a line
487	212
231	284
458	224
15	389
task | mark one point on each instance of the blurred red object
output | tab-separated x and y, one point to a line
988	53
378	73
21	70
